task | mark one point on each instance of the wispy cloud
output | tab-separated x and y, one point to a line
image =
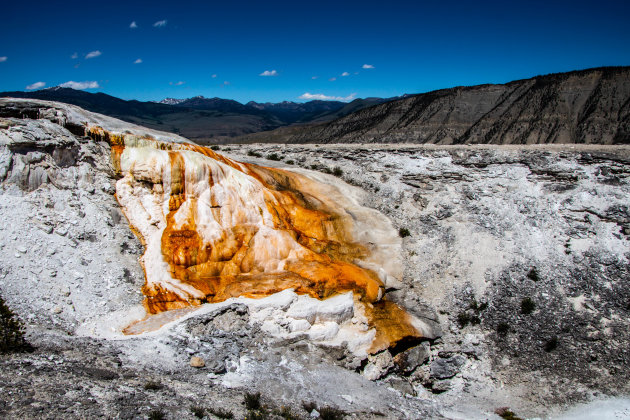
176	83
269	73
74	56
93	54
133	25
226	83
332	79
3	59
367	66
160	23
36	85
344	74
80	85
214	76
315	77
138	61
321	97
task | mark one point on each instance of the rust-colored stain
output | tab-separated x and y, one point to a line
230	267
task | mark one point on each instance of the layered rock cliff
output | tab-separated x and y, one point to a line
589	106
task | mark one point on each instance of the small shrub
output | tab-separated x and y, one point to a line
326	170
215	147
253	153
506	413
337	171
11	331
551	344
221	413
274	156
478	307
153	386
330	413
252	401
403	232
527	306
314	167
197	411
463	318
290	162
503	328
157	415
533	274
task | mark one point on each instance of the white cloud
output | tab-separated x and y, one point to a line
176	83
93	54
269	73
332	79
133	25
345	73
226	83
159	23
138	61
367	66
321	97
314	77
80	85
74	56
214	76
36	85
3	59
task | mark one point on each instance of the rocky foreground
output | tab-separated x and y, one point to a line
517	257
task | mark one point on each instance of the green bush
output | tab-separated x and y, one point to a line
253	153
157	415
330	413
290	162
252	401
503	328
11	331
274	156
527	306
337	171
215	147
404	232
221	413
551	344
533	274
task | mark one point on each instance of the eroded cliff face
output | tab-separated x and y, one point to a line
582	107
216	229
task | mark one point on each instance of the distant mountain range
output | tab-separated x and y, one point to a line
203	120
586	106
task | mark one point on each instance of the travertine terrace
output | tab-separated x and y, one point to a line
216	229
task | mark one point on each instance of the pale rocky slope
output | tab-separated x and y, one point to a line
480	219
588	106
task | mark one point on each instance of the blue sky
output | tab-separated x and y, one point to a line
222	48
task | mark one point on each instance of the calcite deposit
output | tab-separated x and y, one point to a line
216	229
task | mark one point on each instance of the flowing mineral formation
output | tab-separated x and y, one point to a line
216	229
